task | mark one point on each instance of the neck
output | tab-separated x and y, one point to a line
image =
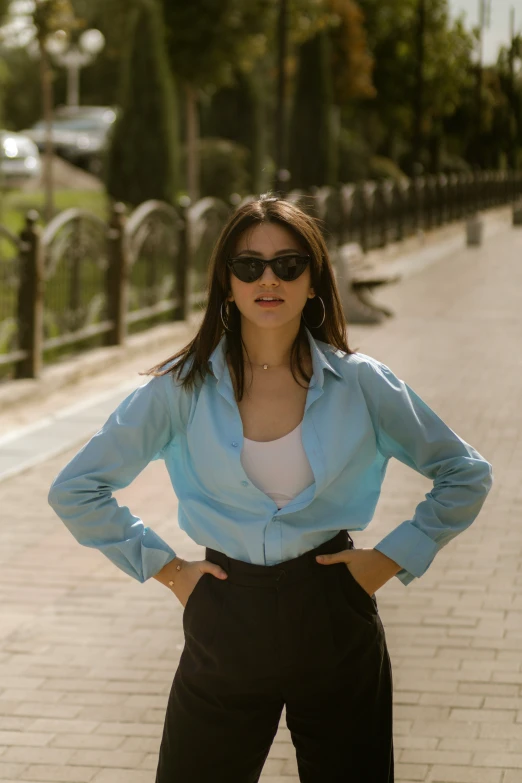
268	346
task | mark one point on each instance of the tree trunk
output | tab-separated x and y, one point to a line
419	86
192	138
47	107
280	119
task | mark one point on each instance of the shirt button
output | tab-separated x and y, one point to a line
234	443
244	483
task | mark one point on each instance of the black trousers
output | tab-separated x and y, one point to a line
298	635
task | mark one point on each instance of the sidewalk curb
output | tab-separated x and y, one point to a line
170	336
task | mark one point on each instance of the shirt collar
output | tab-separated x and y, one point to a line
320	363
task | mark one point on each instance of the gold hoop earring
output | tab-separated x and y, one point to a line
227	327
324	315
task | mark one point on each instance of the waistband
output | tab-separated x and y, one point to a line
255	575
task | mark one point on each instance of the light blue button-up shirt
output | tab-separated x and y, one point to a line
358	415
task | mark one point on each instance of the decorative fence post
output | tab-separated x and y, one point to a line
469	194
183	263
117	275
366	200
30	299
381	213
452	197
430	190
438	199
517	213
416	203
399	196
347	228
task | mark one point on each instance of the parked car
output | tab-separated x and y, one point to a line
19	159
80	134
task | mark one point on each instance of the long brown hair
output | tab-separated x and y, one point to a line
305	228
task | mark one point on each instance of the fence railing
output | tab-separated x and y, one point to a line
81	282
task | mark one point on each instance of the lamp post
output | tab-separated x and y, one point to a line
74	56
419	89
484	11
282	175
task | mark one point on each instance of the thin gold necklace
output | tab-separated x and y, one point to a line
266	366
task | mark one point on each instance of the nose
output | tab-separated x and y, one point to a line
268	277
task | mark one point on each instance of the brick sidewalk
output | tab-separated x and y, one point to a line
87	655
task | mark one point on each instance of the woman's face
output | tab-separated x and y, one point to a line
266	241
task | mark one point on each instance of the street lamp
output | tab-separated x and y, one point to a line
282	174
75	55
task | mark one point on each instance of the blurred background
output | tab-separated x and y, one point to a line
385	112
378	88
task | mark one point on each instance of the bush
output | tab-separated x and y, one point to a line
354	158
384	168
235	113
453	164
142	162
224	168
312	153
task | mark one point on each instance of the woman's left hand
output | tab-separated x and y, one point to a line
369	567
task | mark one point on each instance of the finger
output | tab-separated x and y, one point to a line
336	557
215	570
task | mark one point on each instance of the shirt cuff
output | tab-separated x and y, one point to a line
410	548
141	556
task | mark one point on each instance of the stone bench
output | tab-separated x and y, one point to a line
356	279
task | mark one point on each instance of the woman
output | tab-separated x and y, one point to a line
276	437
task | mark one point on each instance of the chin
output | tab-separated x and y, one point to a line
271	320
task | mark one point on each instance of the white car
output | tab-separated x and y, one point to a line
19	159
80	134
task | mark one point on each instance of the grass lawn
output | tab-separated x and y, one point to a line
14	204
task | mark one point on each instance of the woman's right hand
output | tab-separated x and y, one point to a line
191	572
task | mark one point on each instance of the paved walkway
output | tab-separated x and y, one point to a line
87	655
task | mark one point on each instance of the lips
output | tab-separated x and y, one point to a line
272	299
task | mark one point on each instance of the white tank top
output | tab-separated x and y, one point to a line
279	468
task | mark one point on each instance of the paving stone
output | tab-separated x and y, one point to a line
107	758
58	774
94	741
122	776
28	755
448	774
411	772
8	738
11	770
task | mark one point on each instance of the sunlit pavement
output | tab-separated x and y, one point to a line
87	654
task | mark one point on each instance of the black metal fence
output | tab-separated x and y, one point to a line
82	282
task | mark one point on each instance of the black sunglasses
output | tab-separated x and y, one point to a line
287	268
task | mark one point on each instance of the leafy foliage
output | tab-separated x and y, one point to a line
142	161
224	168
49	16
352	63
392	30
312	147
208	39
236	113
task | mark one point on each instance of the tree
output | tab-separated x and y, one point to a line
312	148
206	41
49	17
236	113
352	62
143	159
391	29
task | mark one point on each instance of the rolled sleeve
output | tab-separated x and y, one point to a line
81	494
409	430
